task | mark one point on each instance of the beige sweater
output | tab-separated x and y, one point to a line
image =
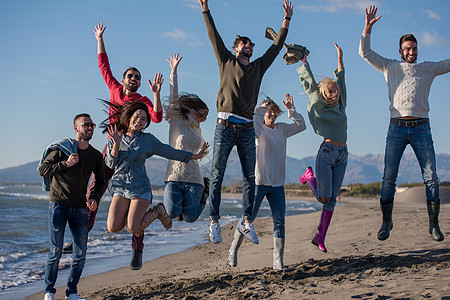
184	134
408	83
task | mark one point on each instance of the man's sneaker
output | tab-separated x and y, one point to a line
49	296
68	248
248	231
214	233
74	297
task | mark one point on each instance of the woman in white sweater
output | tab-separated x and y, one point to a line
271	139
186	190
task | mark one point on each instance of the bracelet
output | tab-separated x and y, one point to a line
287	18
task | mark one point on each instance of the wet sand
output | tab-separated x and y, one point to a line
409	265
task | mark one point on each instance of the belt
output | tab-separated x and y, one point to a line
409	123
235	126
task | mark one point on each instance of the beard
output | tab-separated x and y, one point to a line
408	60
131	88
85	136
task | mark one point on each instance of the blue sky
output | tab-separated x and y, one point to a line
49	62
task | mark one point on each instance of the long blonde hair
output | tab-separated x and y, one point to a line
324	84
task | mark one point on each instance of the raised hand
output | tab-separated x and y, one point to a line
288	8
157	83
174	61
203	4
98	31
289	104
340	54
115	134
371	19
201	153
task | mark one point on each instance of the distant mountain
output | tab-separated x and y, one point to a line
361	169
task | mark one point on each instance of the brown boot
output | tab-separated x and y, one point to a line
150	216
163	216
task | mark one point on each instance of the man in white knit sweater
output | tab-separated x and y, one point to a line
409	85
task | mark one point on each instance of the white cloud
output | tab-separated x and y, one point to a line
432	39
337	6
191	4
432	14
181	36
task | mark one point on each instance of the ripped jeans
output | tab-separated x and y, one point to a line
78	221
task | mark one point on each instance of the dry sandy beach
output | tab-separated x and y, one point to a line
409	265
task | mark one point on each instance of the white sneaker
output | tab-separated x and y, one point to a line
214	233
74	297
49	296
248	231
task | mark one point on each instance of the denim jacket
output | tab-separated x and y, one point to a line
68	146
129	165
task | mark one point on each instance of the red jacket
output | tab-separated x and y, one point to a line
117	96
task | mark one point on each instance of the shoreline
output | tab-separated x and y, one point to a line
408	264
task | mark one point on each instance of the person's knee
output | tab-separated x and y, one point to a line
190	218
114	228
325	200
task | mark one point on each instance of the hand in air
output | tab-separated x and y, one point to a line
289	104
98	31
115	134
174	61
157	83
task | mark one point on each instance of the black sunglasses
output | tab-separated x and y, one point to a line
247	42
137	77
87	125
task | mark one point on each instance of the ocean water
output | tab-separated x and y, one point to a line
24	238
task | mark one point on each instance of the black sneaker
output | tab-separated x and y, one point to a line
68	248
136	260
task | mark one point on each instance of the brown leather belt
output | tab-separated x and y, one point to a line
235	126
409	123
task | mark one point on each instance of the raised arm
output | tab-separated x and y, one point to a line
299	122
288	11
374	59
98	32
156	89
371	19
174	61
306	76
340	56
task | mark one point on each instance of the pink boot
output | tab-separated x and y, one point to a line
319	237
308	177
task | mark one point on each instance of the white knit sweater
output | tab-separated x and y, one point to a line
184	134
271	146
408	83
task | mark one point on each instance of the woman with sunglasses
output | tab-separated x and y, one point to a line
127	150
186	190
271	140
326	111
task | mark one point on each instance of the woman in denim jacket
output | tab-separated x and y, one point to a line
127	150
326	111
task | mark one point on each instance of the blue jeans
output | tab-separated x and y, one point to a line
225	138
277	202
183	198
331	163
77	218
419	137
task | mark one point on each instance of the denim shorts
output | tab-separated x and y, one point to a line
127	194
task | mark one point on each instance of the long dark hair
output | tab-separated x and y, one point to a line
122	114
185	103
